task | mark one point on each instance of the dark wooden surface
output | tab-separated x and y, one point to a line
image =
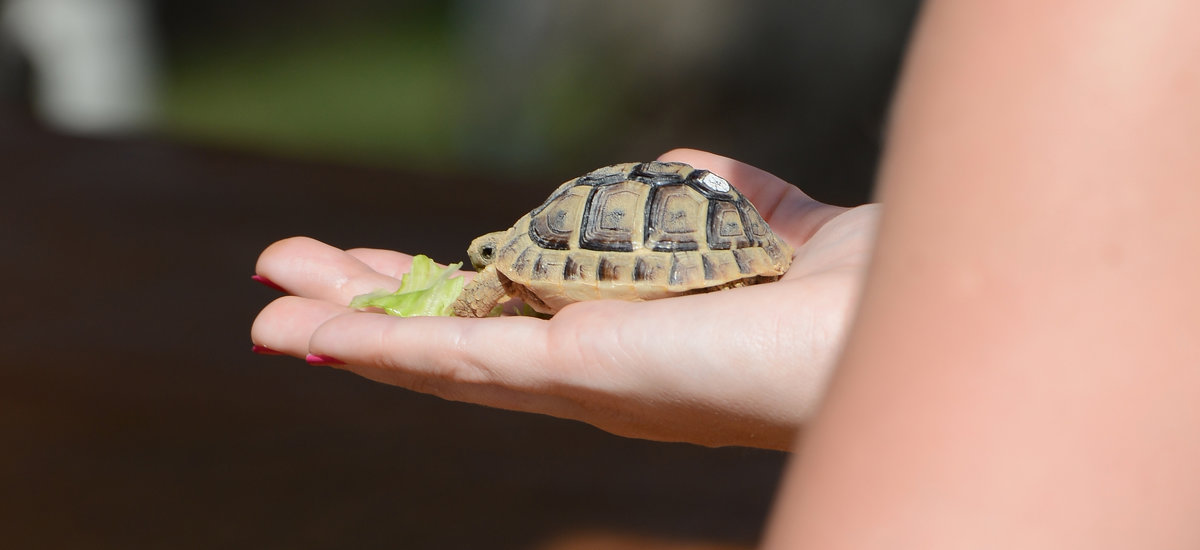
133	415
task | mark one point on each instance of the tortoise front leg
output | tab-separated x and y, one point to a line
481	295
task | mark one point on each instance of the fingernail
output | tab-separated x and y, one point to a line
264	350
267	282
322	360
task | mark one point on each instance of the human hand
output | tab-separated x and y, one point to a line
744	366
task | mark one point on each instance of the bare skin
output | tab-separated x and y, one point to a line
607	363
1025	369
1022	371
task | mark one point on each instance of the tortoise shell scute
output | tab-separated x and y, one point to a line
660	173
675	219
699	180
612	220
640	231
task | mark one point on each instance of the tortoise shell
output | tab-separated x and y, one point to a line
636	231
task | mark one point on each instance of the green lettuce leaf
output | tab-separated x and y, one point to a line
426	290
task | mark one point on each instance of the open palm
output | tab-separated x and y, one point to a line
744	366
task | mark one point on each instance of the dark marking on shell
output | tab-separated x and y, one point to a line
607	270
653	209
643	270
544	268
710	270
508	248
522	261
678	273
657	173
608	179
552	228
756	227
607	175
572	270
743	262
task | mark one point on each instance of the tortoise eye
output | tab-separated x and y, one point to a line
487	252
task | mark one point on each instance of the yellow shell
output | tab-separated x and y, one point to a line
638	231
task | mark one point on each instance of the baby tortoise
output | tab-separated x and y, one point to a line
635	231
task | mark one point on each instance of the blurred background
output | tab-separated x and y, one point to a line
150	149
527	88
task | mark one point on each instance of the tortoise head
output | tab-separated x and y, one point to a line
483	249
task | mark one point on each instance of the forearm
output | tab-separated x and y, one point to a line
1024	371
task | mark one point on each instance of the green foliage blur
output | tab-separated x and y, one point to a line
362	91
541	89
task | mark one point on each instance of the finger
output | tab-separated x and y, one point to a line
286	325
603	363
387	262
312	269
576	349
497	362
392	263
499	351
761	187
791	212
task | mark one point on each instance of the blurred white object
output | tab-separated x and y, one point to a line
93	61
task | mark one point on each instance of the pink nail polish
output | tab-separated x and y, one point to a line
322	360
264	350
267	282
